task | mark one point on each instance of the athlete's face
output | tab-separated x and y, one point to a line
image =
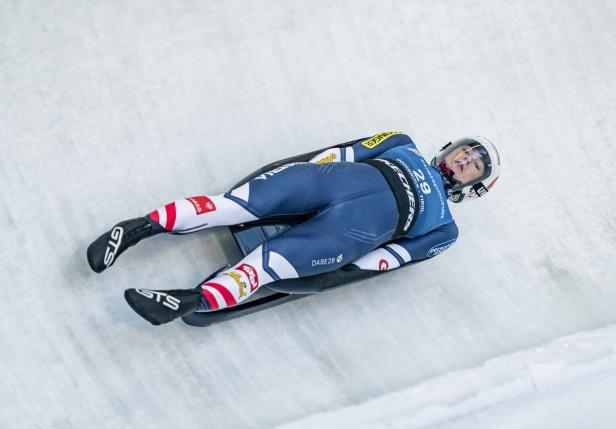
465	163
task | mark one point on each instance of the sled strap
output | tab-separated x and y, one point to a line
404	191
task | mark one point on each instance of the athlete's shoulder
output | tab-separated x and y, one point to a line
406	141
393	138
403	139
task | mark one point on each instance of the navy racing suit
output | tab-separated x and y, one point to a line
376	204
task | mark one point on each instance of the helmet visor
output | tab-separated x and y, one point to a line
466	162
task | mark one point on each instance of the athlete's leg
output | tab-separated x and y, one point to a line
291	189
178	217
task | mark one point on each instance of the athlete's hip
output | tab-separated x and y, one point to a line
308	187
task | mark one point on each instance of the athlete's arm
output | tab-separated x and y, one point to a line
404	250
362	149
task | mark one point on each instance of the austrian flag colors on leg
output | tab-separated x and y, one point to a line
233	285
170	211
230	286
165	216
195	213
217	291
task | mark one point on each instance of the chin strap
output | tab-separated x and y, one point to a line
445	173
448	181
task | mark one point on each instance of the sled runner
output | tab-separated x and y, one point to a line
249	236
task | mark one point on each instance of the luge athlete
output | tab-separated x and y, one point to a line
376	204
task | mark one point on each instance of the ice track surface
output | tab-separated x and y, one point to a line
109	109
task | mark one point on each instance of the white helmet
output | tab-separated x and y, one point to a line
469	167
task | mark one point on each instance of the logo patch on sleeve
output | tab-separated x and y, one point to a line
379	138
